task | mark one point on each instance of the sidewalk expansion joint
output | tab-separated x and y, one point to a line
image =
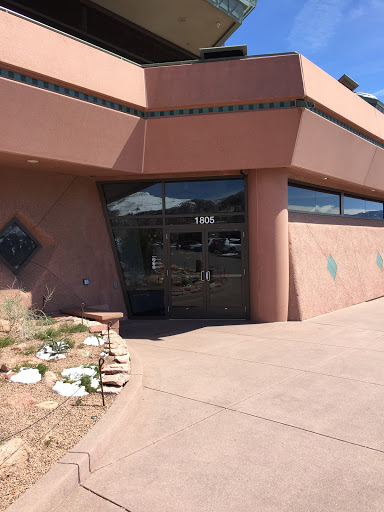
309	431
104	498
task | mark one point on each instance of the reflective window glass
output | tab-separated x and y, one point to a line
327	203
373	210
313	201
205	196
16	246
354	207
141	258
301	199
136	198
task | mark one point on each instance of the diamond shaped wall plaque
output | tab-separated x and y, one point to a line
379	261
332	267
17	245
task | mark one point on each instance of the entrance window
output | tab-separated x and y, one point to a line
178	245
141	259
214	196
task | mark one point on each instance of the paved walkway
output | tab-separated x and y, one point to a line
269	417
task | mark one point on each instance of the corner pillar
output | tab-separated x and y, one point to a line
268	245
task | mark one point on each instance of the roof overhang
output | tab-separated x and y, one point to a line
189	24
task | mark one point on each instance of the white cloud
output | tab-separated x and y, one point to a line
379	93
315	24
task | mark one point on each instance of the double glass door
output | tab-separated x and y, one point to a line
206	273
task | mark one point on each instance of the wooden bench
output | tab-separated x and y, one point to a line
104	317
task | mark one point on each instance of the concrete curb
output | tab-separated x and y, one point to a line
55	486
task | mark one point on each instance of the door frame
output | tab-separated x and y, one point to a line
204	229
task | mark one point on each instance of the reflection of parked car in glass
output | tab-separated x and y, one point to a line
219	245
235	245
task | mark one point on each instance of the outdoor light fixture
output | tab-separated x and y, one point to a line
33	161
324	178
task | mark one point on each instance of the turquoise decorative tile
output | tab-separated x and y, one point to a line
379	261
332	267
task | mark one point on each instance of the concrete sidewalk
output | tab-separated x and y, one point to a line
247	417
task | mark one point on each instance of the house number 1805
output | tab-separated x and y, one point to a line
205	220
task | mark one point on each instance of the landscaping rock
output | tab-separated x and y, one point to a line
112	369
121	350
122	359
14	455
49	404
4	325
111	390
115	380
6	366
49	379
20	401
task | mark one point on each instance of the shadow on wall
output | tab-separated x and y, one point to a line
64	215
318	285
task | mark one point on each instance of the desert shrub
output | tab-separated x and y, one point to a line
68	328
21	319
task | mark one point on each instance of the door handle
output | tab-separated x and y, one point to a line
202	275
208	275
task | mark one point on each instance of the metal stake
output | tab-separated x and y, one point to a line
109	325
101	364
82	305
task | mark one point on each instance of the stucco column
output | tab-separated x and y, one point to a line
268	245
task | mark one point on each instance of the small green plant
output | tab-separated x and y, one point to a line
6	341
72	328
54	347
41	367
86	381
30	350
79	401
47	442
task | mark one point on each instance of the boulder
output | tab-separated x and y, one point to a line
14	454
118	379
49	379
20	401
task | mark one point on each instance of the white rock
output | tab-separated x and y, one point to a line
27	376
77	372
66	389
94	341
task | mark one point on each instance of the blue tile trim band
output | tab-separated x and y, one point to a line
345	126
216	110
17	77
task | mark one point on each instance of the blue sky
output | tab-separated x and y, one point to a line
339	36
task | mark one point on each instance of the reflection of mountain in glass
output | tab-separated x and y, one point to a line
233	203
373	214
141	203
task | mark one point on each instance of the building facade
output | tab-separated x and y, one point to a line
232	187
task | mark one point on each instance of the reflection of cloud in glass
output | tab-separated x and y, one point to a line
141	202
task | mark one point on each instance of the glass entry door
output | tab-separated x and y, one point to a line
206	273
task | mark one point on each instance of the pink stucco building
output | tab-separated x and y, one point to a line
139	175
